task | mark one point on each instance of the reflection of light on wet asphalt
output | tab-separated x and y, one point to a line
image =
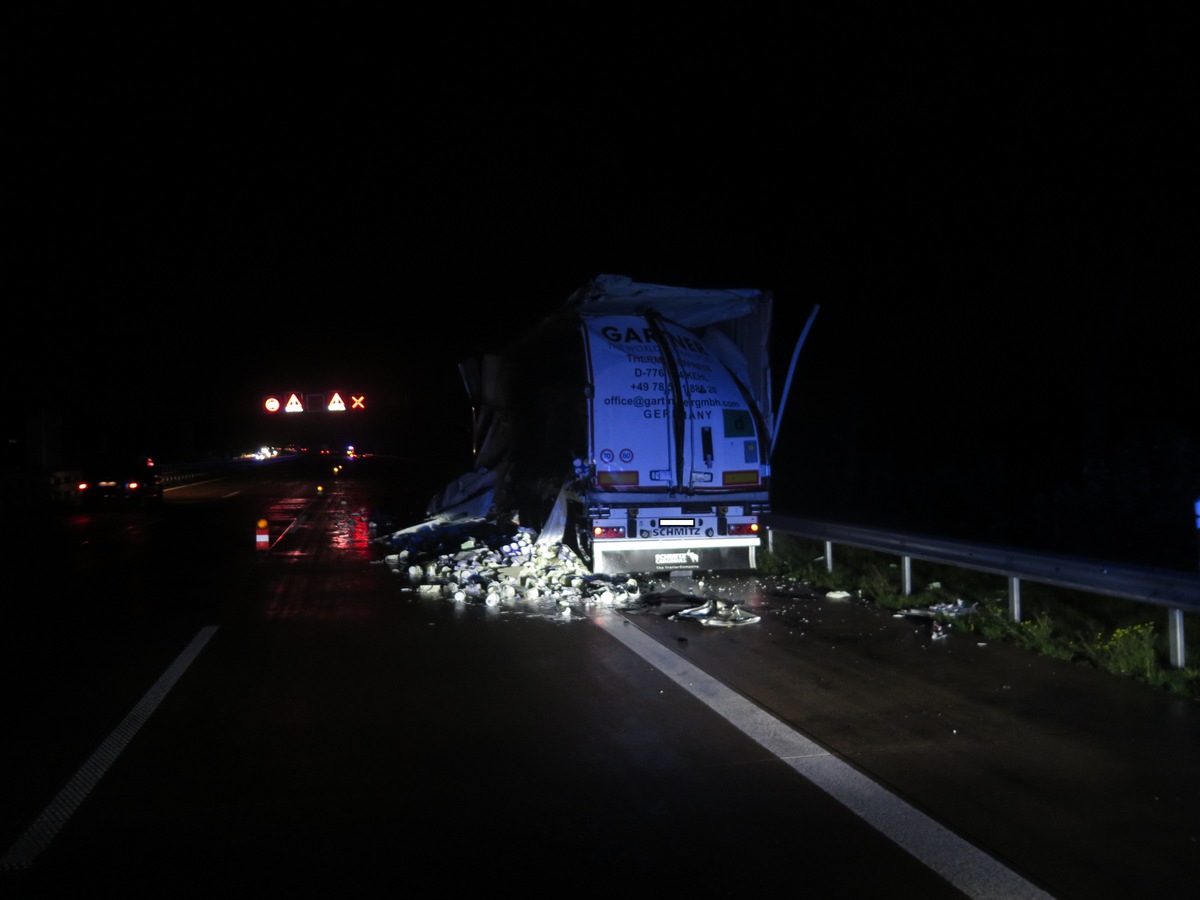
522	576
351	532
962	864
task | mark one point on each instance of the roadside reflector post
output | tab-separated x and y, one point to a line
1014	598
262	536
1175	638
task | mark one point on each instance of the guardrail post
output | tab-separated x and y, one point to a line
907	567
1175	637
829	556
1014	598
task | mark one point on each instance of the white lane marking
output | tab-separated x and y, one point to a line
41	832
964	865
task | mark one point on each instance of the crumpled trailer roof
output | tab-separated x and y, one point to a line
721	316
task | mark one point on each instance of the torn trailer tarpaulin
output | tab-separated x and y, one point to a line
529	403
470	495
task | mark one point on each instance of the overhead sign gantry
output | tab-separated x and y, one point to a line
292	402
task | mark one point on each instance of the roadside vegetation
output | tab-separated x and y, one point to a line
1108	633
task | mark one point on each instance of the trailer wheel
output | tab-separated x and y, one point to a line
579	536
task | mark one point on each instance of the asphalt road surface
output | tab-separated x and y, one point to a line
188	713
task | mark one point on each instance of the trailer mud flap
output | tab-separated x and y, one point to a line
624	557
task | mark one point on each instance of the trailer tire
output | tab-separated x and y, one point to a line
579	536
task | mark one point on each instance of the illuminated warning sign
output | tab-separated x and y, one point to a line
333	401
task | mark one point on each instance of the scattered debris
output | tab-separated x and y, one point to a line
791	590
484	561
718	613
949	610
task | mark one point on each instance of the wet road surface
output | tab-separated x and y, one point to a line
333	729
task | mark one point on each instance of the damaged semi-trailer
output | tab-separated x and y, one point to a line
635	425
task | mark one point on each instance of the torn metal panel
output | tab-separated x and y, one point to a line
717	613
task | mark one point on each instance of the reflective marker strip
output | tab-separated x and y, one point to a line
37	837
744	477
616	479
962	864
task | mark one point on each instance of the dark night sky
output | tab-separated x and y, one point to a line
996	231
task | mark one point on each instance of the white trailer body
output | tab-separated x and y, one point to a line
677	474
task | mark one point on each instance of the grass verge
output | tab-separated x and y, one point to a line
1120	636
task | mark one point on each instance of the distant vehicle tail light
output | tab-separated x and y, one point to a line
600	532
133	485
743	528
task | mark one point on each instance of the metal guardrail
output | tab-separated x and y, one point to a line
185	472
1177	592
34	488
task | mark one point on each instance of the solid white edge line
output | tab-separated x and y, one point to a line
41	832
961	863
